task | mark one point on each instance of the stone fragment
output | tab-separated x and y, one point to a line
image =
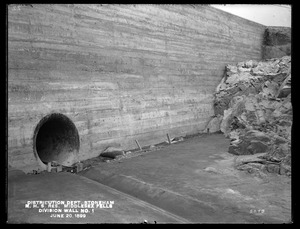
273	168
257	147
250	64
282	170
284	108
257	135
281	151
54	163
238	149
285	88
214	124
270	89
279	140
287	160
59	168
236	100
176	139
112	152
279	77
79	167
224	127
53	170
246	159
229	117
252	168
234	135
211	170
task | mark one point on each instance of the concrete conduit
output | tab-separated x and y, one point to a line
56	139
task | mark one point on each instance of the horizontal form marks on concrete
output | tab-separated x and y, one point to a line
90	62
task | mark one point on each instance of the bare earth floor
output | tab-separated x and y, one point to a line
191	181
69	187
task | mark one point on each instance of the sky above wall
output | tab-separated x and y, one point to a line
268	15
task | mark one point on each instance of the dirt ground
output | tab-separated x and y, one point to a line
192	181
71	187
197	180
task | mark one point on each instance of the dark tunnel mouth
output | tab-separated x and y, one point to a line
56	139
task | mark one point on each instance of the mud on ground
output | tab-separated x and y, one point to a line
197	179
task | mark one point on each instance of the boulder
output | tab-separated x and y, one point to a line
266	69
250	64
257	147
270	89
279	140
250	166
239	149
246	147
234	149
224	127
273	168
283	170
229	117
281	151
214	124
285	88
257	135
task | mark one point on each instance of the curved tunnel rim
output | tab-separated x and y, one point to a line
42	121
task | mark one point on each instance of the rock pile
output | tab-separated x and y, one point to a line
253	108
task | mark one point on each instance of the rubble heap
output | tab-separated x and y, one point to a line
253	107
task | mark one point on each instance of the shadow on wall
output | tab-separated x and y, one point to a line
56	139
277	42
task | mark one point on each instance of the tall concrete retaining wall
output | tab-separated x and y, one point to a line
117	73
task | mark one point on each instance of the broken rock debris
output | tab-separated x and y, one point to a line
112	152
253	108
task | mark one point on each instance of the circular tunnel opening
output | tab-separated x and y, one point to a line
56	139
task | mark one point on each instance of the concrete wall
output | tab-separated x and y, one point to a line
119	72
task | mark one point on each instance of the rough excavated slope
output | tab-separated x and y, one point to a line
253	108
277	42
118	72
